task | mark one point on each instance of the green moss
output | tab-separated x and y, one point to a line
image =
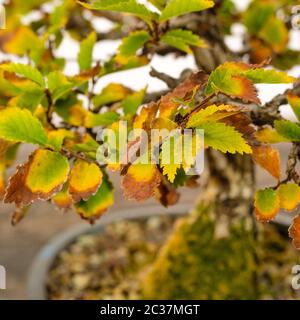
194	264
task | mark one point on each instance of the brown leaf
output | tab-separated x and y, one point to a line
294	232
140	181
41	177
268	158
167	104
166	194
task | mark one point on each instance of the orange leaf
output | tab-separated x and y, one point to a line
268	158
167	104
140	181
245	90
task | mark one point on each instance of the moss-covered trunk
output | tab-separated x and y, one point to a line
211	254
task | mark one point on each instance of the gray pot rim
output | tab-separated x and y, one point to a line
37	275
36	286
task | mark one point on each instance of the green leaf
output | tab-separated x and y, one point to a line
102	119
182	40
26	71
257	16
227	79
30	99
275	34
41	177
20	125
266	204
58	84
176	8
112	93
211	113
267	76
131	44
85	56
288	130
131	103
294	102
224	138
125	6
96	205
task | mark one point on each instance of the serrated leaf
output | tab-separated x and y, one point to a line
175	8
268	158
268	76
85	180
266	204
140	182
182	40
294	232
211	113
125	6
25	71
19	125
97	204
40	178
85	56
227	79
289	196
294	102
224	138
131	44
288	129
171	155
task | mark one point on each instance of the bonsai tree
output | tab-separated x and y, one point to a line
71	123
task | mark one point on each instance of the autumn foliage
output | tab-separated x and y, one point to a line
61	114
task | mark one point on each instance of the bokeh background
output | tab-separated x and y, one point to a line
20	244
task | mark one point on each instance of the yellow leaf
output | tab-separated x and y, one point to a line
85	180
289	196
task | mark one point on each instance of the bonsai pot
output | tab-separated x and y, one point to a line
36	285
37	278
